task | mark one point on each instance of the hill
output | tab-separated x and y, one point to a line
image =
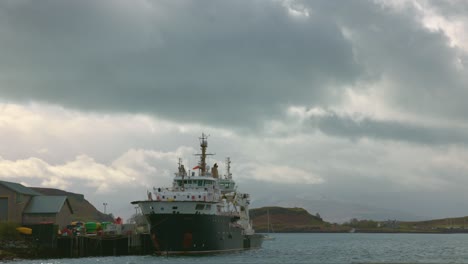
290	220
455	224
336	211
82	209
435	226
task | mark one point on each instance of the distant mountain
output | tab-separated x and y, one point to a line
446	223
288	220
82	209
339	211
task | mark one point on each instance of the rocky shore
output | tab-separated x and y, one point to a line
17	249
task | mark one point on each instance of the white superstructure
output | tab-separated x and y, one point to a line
205	193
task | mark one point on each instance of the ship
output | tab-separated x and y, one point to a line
201	213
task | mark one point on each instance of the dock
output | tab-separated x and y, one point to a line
91	246
45	242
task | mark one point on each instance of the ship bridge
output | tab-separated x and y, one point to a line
227	185
199	183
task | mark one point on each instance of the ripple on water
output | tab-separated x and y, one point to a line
319	248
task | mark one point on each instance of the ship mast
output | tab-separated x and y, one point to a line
182	173
203	146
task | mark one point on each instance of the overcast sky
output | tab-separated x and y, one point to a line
356	101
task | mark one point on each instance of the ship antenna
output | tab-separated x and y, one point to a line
228	168
182	171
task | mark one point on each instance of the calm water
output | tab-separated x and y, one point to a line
323	248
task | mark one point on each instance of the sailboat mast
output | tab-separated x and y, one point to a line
268	220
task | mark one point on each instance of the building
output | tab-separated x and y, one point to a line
20	204
48	209
13	200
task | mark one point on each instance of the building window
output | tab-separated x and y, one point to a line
19	198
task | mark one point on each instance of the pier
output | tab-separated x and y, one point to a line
45	242
88	246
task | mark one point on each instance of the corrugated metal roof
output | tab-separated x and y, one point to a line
46	204
19	188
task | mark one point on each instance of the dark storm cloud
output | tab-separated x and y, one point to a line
419	65
343	126
225	62
205	60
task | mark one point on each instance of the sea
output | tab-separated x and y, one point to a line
318	248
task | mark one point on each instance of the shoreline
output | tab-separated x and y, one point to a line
31	251
370	232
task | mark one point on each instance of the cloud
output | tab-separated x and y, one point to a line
358	99
367	169
420	67
357	127
164	58
81	171
284	174
58	135
250	63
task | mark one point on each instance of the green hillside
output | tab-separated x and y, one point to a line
290	220
445	224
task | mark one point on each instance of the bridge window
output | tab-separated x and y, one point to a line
225	185
199	207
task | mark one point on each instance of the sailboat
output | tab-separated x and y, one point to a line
268	236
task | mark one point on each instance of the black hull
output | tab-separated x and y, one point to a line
199	234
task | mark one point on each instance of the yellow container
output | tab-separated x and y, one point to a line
24	230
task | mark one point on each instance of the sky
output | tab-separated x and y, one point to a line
358	103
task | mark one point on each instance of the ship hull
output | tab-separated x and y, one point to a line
199	234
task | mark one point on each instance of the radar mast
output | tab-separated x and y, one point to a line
203	146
